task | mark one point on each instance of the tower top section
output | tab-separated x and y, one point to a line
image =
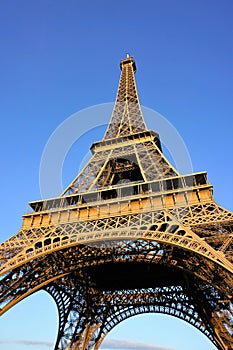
128	60
127	118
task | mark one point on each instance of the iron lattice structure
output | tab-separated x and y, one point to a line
129	235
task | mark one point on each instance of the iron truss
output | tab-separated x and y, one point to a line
129	235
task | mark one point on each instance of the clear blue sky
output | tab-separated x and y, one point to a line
58	57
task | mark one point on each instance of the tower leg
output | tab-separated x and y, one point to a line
85	340
80	317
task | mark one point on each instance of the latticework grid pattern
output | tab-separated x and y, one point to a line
129	235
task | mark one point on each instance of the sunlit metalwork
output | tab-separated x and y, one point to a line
129	235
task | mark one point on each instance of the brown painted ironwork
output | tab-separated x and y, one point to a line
129	235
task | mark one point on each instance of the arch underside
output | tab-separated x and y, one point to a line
90	305
158	225
82	332
112	281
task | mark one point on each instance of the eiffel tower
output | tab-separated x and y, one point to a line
129	235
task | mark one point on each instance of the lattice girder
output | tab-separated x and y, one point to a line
127	115
142	150
148	252
119	305
129	235
207	219
157	226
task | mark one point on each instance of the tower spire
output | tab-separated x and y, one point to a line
127	116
